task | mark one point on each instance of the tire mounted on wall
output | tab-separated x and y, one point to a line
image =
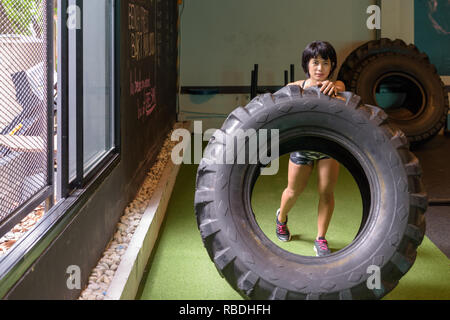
378	157
366	65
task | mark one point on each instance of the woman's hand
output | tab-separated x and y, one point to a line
328	87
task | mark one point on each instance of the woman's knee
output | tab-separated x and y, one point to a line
326	196
292	193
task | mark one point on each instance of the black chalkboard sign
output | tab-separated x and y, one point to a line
141	37
149	50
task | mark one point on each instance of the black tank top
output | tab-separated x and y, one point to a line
307	155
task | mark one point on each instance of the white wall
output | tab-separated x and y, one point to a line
397	20
222	40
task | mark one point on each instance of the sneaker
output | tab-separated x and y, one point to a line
321	247
282	229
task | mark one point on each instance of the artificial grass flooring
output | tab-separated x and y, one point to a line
180	268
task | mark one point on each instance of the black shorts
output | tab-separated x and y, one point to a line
306	157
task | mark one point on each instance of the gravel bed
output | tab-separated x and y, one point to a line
102	275
10	238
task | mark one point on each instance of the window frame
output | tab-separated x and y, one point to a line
66	186
71	195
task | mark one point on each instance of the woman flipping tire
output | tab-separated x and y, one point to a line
378	157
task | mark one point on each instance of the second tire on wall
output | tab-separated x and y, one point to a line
401	79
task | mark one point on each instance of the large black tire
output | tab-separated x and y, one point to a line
378	156
424	110
371	48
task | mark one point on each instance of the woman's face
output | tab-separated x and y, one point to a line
319	69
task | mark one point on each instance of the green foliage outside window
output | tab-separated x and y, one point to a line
24	15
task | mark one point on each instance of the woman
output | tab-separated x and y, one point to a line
319	62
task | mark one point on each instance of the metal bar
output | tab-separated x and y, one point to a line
17	215
439	202
292	73
378	31
256	78
63	102
79	99
116	76
49	202
226	89
110	127
50	106
254	82
252	86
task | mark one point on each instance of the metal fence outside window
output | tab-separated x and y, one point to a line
26	107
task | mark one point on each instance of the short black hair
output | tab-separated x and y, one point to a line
319	48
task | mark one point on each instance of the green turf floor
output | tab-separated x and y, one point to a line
181	269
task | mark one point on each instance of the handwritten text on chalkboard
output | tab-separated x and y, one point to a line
146	94
142	41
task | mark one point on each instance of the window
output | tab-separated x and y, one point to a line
86	135
98	81
90	117
26	105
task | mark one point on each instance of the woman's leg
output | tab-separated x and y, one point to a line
298	175
327	175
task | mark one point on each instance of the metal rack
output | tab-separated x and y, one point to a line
255	90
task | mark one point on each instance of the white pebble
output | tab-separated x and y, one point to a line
109	272
135	223
103	273
94	286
